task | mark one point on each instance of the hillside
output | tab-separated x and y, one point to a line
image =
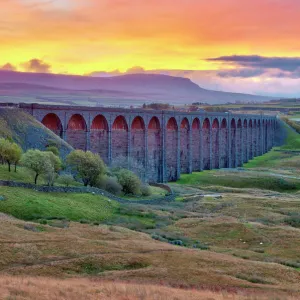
138	88
25	130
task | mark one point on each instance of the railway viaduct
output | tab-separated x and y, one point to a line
165	143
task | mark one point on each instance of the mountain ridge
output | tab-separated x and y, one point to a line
139	88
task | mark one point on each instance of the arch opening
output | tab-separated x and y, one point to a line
99	137
154	151
171	149
77	132
206	140
138	147
53	122
196	166
184	145
119	141
233	143
224	144
215	144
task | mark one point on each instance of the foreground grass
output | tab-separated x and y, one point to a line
27	204
83	289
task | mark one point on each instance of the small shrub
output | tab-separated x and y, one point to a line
84	221
293	221
130	182
53	149
146	190
112	185
44	222
66	179
96	223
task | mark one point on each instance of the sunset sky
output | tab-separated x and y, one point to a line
231	45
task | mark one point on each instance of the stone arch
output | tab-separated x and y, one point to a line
206	140
171	149
215	144
184	145
224	144
255	146
138	146
154	150
245	141
250	138
259	138
99	137
196	144
119	139
233	143
77	132
239	143
53	122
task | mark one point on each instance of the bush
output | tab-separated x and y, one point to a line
112	185
65	179
146	190
53	149
293	221
130	183
89	166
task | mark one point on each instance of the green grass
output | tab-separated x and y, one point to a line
156	192
31	205
240	179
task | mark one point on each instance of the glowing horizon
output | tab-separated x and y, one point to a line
86	36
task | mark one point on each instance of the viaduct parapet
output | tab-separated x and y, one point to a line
164	143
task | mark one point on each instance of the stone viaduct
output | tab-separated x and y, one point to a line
165	143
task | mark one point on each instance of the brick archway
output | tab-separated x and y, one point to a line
99	137
215	144
184	145
119	138
171	149
53	122
138	145
224	144
154	150
76	132
196	144
206	140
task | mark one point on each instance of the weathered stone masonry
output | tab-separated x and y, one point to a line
166	143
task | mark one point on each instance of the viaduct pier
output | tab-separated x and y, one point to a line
164	143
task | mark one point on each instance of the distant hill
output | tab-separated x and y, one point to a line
138	88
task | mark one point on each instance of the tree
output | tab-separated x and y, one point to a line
130	182
89	166
41	163
16	154
10	152
56	164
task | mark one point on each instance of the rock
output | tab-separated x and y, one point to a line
2	198
30	227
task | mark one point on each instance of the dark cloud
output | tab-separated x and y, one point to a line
8	67
255	61
37	66
243	73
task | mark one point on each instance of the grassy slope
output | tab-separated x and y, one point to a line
31	205
27	132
